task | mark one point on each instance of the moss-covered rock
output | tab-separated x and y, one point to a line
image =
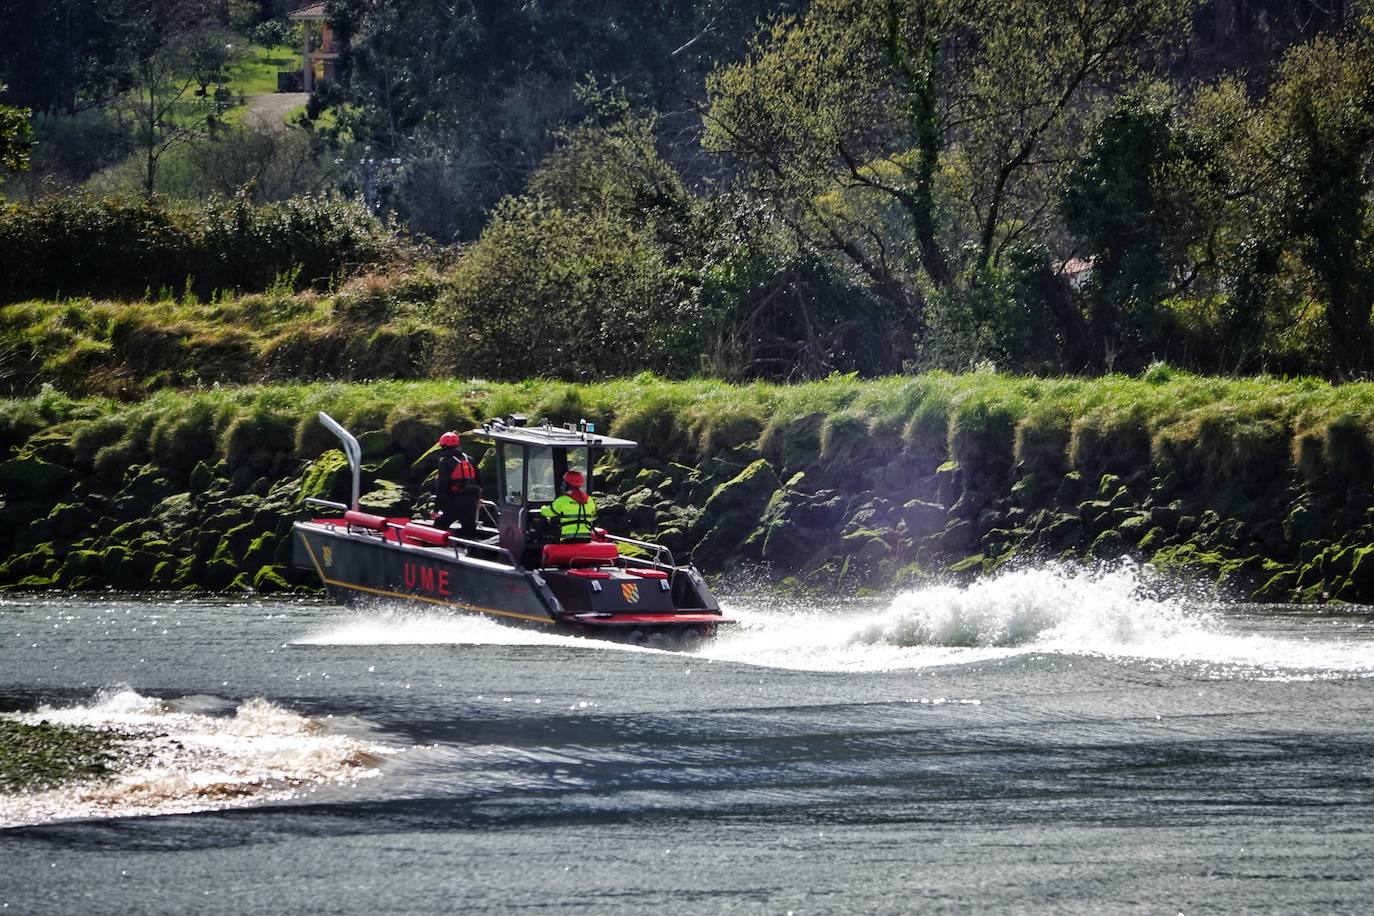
328	477
218	574
29	478
733	512
386	498
259	551
957	537
923	519
80	567
65	521
271	580
796	525
1108	545
1206	475
1063	533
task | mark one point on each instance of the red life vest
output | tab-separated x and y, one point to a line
462	471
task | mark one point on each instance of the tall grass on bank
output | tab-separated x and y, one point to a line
1240	432
372	327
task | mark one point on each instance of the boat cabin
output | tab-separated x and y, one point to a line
531	462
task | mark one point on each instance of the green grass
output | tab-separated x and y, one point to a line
1200	425
254	72
328	119
370	328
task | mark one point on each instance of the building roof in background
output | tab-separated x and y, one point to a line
309	11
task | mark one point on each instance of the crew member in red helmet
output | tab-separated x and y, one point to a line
575	511
456	491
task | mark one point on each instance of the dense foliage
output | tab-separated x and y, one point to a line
748	188
81	245
16	137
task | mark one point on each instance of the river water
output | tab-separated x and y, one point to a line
1050	741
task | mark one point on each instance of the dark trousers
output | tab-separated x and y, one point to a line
460	508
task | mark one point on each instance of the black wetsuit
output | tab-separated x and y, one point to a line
457	493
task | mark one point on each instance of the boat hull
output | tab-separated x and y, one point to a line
636	605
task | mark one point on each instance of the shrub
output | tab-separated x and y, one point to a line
91	437
719	431
927	434
80	244
274	33
550	293
181	439
1042	443
982	432
655	424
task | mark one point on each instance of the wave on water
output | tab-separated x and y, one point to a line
1119	610
180	757
400	626
1077	609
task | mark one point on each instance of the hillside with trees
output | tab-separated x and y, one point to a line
750	189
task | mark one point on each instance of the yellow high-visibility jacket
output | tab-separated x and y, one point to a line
575	520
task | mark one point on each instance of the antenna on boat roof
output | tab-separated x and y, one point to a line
351	449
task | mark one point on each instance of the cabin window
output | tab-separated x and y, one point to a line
577	461
541	475
512	473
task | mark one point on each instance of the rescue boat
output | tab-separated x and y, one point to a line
515	570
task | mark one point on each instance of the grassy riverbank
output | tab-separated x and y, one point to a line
1261	484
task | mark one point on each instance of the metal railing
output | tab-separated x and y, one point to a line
658	550
327	503
452	538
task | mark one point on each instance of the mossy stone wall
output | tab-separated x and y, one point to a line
1263	486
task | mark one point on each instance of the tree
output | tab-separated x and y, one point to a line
16	137
177	88
1320	155
1292	237
1141	199
901	134
470	94
63	55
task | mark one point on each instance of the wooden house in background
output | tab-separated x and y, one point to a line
319	46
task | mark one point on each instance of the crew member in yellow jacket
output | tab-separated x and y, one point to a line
575	511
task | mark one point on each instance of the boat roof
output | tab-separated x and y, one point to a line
547	434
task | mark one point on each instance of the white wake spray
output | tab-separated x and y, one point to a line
185	760
1122	610
1071	608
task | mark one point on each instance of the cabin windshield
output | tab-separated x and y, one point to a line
533	474
512	473
546	468
576	460
541	474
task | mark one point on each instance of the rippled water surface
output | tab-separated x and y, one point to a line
1047	741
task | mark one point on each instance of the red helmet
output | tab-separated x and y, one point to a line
574	479
450	438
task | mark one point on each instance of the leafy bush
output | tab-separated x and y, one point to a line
274	33
551	293
74	147
997	313
81	244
